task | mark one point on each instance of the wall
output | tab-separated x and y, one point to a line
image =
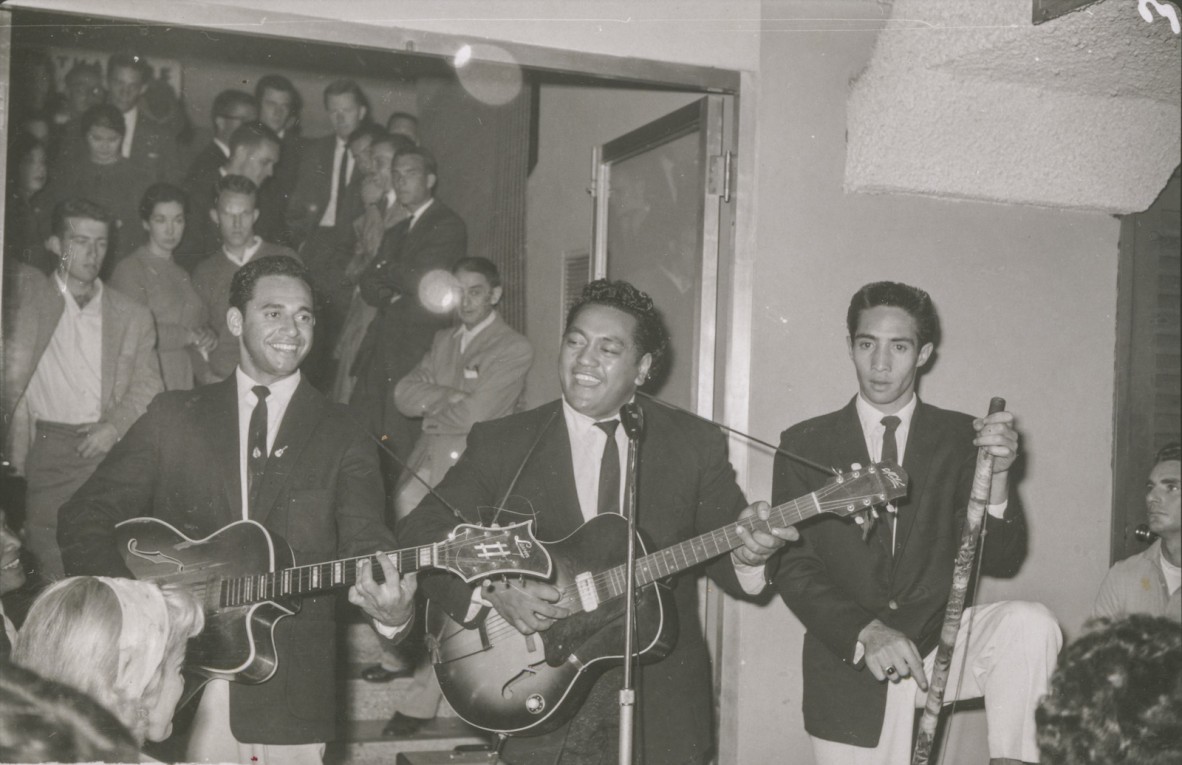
1027	299
572	120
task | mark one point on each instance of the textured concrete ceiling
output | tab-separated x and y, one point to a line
968	99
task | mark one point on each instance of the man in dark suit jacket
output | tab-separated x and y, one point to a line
433	238
185	462
873	609
231	108
570	471
279	109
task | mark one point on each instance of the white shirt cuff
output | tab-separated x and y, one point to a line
998	510
751	578
478	602
390	632
859	651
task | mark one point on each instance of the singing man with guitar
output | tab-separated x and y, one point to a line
873	603
263	446
561	465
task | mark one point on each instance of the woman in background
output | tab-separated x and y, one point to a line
121	641
28	155
150	276
103	176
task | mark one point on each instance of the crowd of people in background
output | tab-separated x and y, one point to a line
137	263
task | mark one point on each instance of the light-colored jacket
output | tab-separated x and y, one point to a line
130	369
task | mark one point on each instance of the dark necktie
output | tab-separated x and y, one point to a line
890	453
342	182
256	444
5	643
609	470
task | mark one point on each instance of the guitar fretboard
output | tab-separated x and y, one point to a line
702	548
317	577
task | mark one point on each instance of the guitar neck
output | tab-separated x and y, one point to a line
319	577
702	548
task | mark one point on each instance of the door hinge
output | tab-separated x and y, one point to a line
719	179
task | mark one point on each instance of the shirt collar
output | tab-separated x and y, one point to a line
251	249
414	216
223	146
280	389
871	417
580	423
471	333
93	305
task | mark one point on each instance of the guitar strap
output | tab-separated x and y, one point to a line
524	462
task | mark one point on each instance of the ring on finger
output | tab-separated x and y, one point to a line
890	670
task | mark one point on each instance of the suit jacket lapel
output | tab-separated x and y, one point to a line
219	428
557	499
917	458
112	334
299	423
853	441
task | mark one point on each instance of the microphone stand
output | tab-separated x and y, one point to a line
632	419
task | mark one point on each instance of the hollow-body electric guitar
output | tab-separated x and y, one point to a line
246	579
502	681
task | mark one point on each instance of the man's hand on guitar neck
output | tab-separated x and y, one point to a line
391	603
528	605
758	546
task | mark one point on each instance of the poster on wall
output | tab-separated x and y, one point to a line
165	70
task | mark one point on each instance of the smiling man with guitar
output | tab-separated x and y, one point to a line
261	447
562	466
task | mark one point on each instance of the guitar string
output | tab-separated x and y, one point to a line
569	594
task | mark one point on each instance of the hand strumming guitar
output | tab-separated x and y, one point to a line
528	605
391	603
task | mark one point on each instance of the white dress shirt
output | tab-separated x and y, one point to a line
414	216
467	335
67	384
130	118
247	254
277	401
341	154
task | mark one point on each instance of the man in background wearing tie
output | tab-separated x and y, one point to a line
262	445
571	456
874	605
432	238
320	210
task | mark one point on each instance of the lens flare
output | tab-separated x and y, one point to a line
439	291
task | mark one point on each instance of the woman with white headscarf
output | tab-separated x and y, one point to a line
119	640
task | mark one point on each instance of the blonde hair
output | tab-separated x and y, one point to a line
112	638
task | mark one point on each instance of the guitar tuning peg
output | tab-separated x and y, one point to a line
856	466
859	519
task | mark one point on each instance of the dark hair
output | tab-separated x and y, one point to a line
81	68
650	335
482	266
396	141
340	87
159	193
282	84
1116	697
228	99
102	115
244	281
366	129
913	300
129	61
253	134
79	209
46	721
1168	453
427	157
401	116
235	184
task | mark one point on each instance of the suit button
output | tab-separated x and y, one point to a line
893	605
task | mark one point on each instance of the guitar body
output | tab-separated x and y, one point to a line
238	642
500	680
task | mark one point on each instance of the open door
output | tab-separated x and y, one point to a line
661	202
664	221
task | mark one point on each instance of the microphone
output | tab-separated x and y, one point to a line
632	418
1143	533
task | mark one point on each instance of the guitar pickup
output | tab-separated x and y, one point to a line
588	597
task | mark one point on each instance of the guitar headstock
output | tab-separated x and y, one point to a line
862	488
473	552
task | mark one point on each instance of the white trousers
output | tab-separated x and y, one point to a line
212	740
1009	659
